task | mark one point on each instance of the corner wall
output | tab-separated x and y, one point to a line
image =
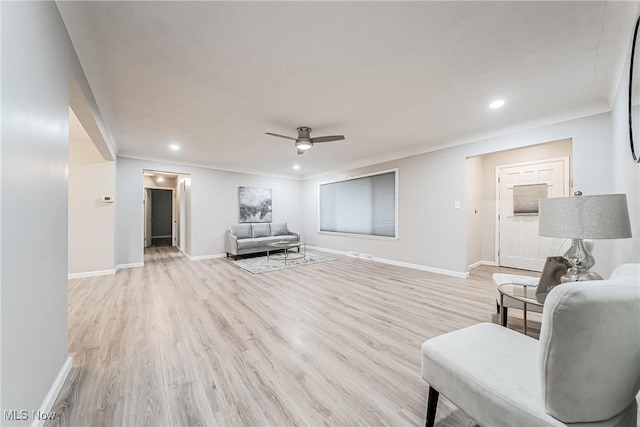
36	54
91	221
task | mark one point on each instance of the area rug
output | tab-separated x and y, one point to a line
258	265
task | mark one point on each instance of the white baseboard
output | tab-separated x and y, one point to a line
331	251
130	265
479	263
396	263
203	257
51	397
91	274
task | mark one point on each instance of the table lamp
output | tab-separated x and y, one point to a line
584	217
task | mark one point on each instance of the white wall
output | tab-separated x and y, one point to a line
213	196
36	54
91	221
626	173
432	233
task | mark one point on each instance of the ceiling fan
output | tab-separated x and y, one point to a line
304	140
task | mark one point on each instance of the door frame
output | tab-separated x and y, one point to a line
182	209
567	183
173	211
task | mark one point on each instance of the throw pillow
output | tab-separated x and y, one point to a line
241	231
279	229
260	230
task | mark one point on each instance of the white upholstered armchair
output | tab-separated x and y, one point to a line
585	368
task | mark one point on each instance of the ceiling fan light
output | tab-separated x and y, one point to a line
303	145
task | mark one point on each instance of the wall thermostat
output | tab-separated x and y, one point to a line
107	199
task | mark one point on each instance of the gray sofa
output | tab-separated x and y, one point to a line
241	239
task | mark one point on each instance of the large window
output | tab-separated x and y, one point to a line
364	205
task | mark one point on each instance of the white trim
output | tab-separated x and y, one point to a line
442	271
382	172
210	167
91	274
332	251
436	270
52	395
130	265
357	236
203	257
479	263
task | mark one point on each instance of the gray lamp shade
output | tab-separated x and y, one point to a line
585	217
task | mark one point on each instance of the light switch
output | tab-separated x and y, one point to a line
456	204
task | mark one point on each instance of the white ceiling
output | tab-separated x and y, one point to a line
396	78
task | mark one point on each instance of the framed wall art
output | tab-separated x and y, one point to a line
254	204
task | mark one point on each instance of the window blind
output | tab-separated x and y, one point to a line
365	205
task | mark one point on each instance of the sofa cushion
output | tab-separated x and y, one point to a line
241	231
279	228
260	230
248	243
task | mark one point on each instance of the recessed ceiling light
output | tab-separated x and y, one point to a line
174	147
497	103
296	167
159	179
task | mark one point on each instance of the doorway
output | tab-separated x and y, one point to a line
165	199
484	246
519	187
160	217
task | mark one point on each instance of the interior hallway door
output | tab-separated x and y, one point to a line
519	245
147	217
162	216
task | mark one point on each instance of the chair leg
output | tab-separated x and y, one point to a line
432	404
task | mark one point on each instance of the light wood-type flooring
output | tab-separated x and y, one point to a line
182	343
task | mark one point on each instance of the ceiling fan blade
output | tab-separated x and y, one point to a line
328	138
301	151
280	136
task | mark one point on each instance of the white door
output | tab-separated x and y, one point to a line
147	217
181	215
174	218
519	245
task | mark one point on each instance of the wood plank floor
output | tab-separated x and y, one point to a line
181	342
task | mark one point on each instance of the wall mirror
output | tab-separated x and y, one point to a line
634	96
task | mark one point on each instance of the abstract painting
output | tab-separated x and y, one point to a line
254	204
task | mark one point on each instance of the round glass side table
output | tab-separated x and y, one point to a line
525	294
